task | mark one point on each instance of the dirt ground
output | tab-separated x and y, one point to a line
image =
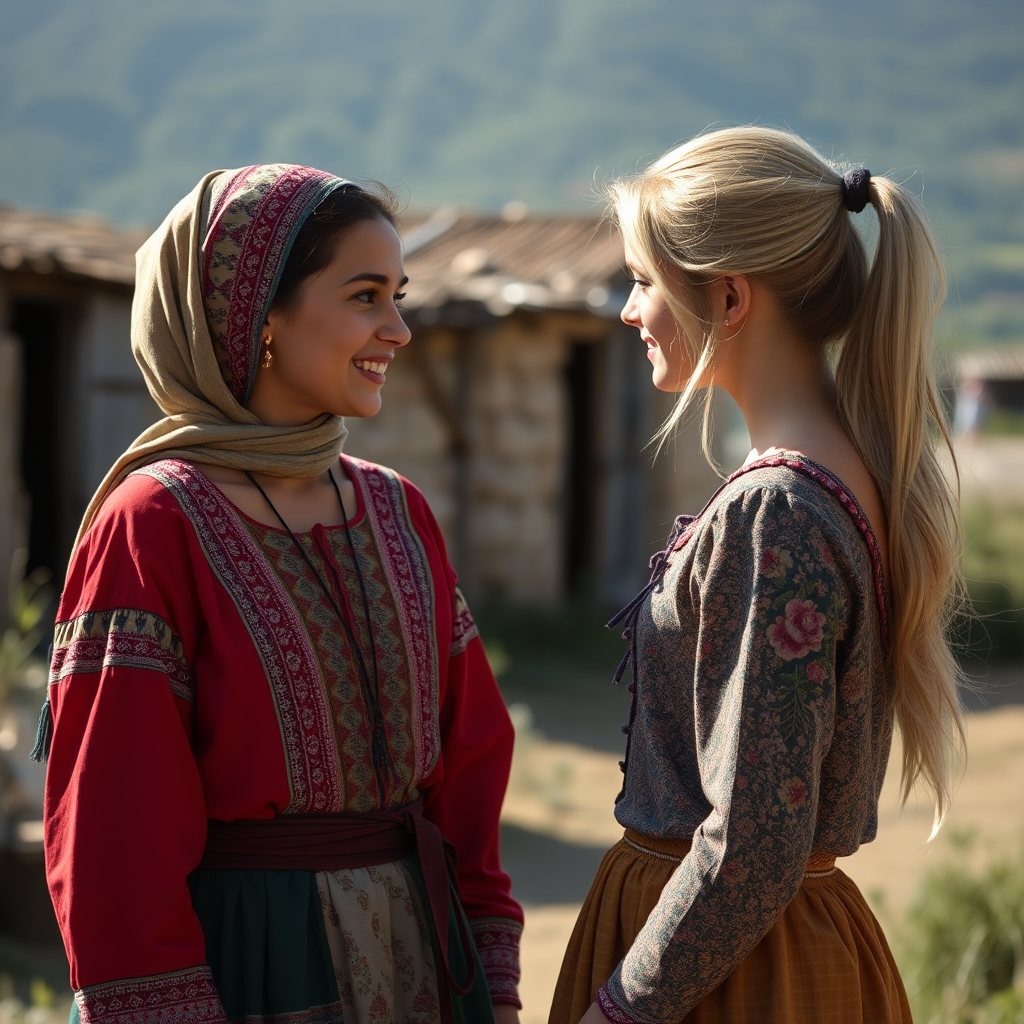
558	821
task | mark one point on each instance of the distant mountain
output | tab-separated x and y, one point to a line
119	106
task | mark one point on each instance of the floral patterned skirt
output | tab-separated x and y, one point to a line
824	959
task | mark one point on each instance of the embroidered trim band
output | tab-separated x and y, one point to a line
497	941
463	626
408	573
611	1009
125	637
276	630
255	214
180	997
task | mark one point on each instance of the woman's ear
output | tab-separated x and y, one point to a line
730	297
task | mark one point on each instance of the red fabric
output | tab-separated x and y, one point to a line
135	770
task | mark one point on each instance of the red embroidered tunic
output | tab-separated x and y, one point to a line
199	672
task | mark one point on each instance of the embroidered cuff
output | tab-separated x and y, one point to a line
180	997
611	1009
497	942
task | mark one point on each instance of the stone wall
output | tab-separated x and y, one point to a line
487	448
112	402
408	434
517	414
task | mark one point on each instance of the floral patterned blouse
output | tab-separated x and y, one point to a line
762	719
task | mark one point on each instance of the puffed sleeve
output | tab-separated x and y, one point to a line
124	811
464	798
771	596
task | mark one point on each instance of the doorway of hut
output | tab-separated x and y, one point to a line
44	331
607	491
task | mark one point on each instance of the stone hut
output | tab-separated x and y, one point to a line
71	396
521	408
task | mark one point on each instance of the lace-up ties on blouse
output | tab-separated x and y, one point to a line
630	615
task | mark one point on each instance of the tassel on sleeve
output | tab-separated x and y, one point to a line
44	734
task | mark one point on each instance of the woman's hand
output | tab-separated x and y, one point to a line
505	1013
594	1016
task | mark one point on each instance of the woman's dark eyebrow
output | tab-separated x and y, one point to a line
376	278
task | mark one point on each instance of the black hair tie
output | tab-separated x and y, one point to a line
856	189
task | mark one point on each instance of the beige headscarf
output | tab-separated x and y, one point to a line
215	263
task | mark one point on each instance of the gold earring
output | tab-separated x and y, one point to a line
268	356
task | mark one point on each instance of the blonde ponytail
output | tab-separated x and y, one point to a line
762	203
888	403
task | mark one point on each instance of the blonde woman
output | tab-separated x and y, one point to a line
789	625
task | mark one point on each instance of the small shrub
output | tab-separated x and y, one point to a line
963	946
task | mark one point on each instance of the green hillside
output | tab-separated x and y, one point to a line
119	106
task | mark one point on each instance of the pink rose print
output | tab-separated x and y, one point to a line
793	794
816	673
798	631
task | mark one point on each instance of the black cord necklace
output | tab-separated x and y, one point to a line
370	683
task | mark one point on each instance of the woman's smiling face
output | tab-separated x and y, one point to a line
647	309
332	348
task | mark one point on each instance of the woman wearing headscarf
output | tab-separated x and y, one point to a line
277	754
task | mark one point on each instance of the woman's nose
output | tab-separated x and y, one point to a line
396	331
630	313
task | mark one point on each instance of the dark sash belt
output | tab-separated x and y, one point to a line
323	842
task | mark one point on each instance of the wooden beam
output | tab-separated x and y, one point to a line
442	404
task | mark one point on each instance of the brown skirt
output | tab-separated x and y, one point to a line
824	960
